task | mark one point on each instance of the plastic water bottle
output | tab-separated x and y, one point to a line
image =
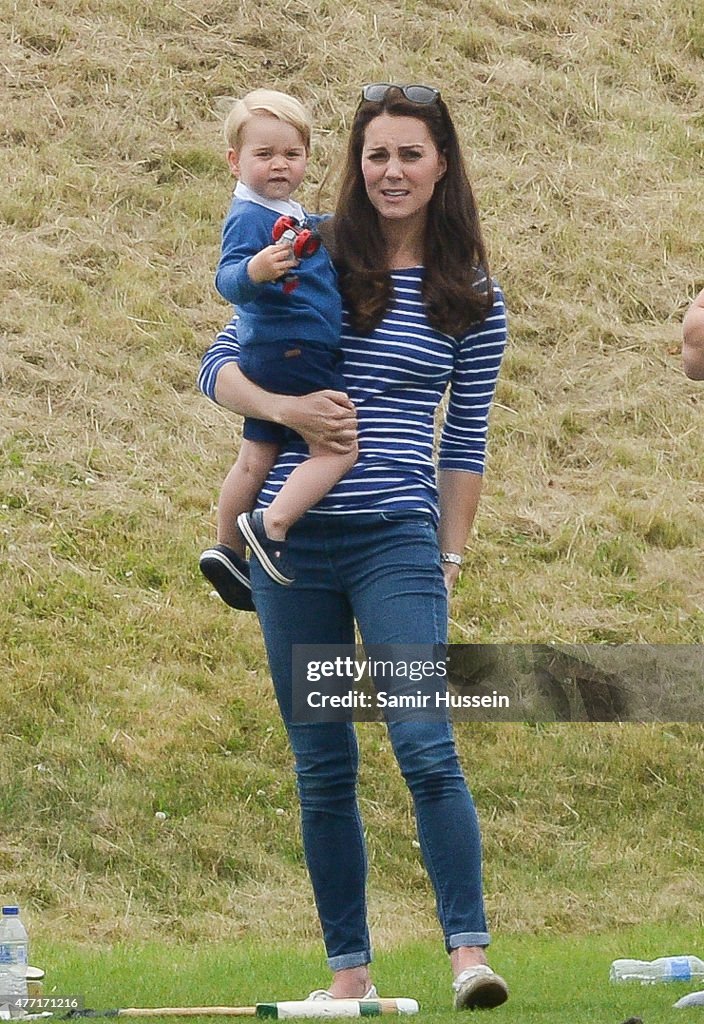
693	999
665	968
13	961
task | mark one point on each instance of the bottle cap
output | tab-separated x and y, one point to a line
11	911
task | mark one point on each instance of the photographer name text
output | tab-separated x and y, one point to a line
417	701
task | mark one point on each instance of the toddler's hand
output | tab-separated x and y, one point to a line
271	263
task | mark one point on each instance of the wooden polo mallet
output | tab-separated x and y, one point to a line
288	1010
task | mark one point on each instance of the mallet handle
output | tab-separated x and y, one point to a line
189	1011
330	1008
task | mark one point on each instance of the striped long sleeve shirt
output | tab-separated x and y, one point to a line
396	376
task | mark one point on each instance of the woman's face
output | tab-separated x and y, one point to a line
401	166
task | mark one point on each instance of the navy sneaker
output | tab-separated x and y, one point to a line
229	574
271	553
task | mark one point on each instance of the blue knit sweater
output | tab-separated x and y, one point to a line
312	312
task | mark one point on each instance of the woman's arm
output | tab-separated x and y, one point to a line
326	418
464	435
459	498
693	339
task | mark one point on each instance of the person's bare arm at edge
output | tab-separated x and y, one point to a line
324	418
693	339
459	493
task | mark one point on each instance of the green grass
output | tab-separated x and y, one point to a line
551	978
125	688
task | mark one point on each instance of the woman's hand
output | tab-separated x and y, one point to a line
325	419
451	572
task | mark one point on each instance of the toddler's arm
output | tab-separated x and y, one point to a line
248	259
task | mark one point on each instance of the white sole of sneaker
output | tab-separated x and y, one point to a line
217	556
481	991
260	554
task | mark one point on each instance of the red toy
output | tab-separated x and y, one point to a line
304	243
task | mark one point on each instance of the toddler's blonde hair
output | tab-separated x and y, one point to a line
280	104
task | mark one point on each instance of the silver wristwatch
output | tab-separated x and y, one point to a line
450	556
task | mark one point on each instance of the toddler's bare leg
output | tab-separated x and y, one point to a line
308	483
241	487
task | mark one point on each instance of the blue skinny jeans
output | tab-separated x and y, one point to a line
382	569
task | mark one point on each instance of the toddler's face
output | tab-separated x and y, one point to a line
271	158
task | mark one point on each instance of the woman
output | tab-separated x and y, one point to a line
384	547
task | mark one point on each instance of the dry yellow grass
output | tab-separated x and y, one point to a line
125	688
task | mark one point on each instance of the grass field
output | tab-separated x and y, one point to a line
126	689
552	980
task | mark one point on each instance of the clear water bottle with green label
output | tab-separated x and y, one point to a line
13	962
665	968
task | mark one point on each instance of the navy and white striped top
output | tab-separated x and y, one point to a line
396	377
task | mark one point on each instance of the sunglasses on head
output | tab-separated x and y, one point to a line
423	94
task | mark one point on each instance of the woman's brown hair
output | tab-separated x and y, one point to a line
457	285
